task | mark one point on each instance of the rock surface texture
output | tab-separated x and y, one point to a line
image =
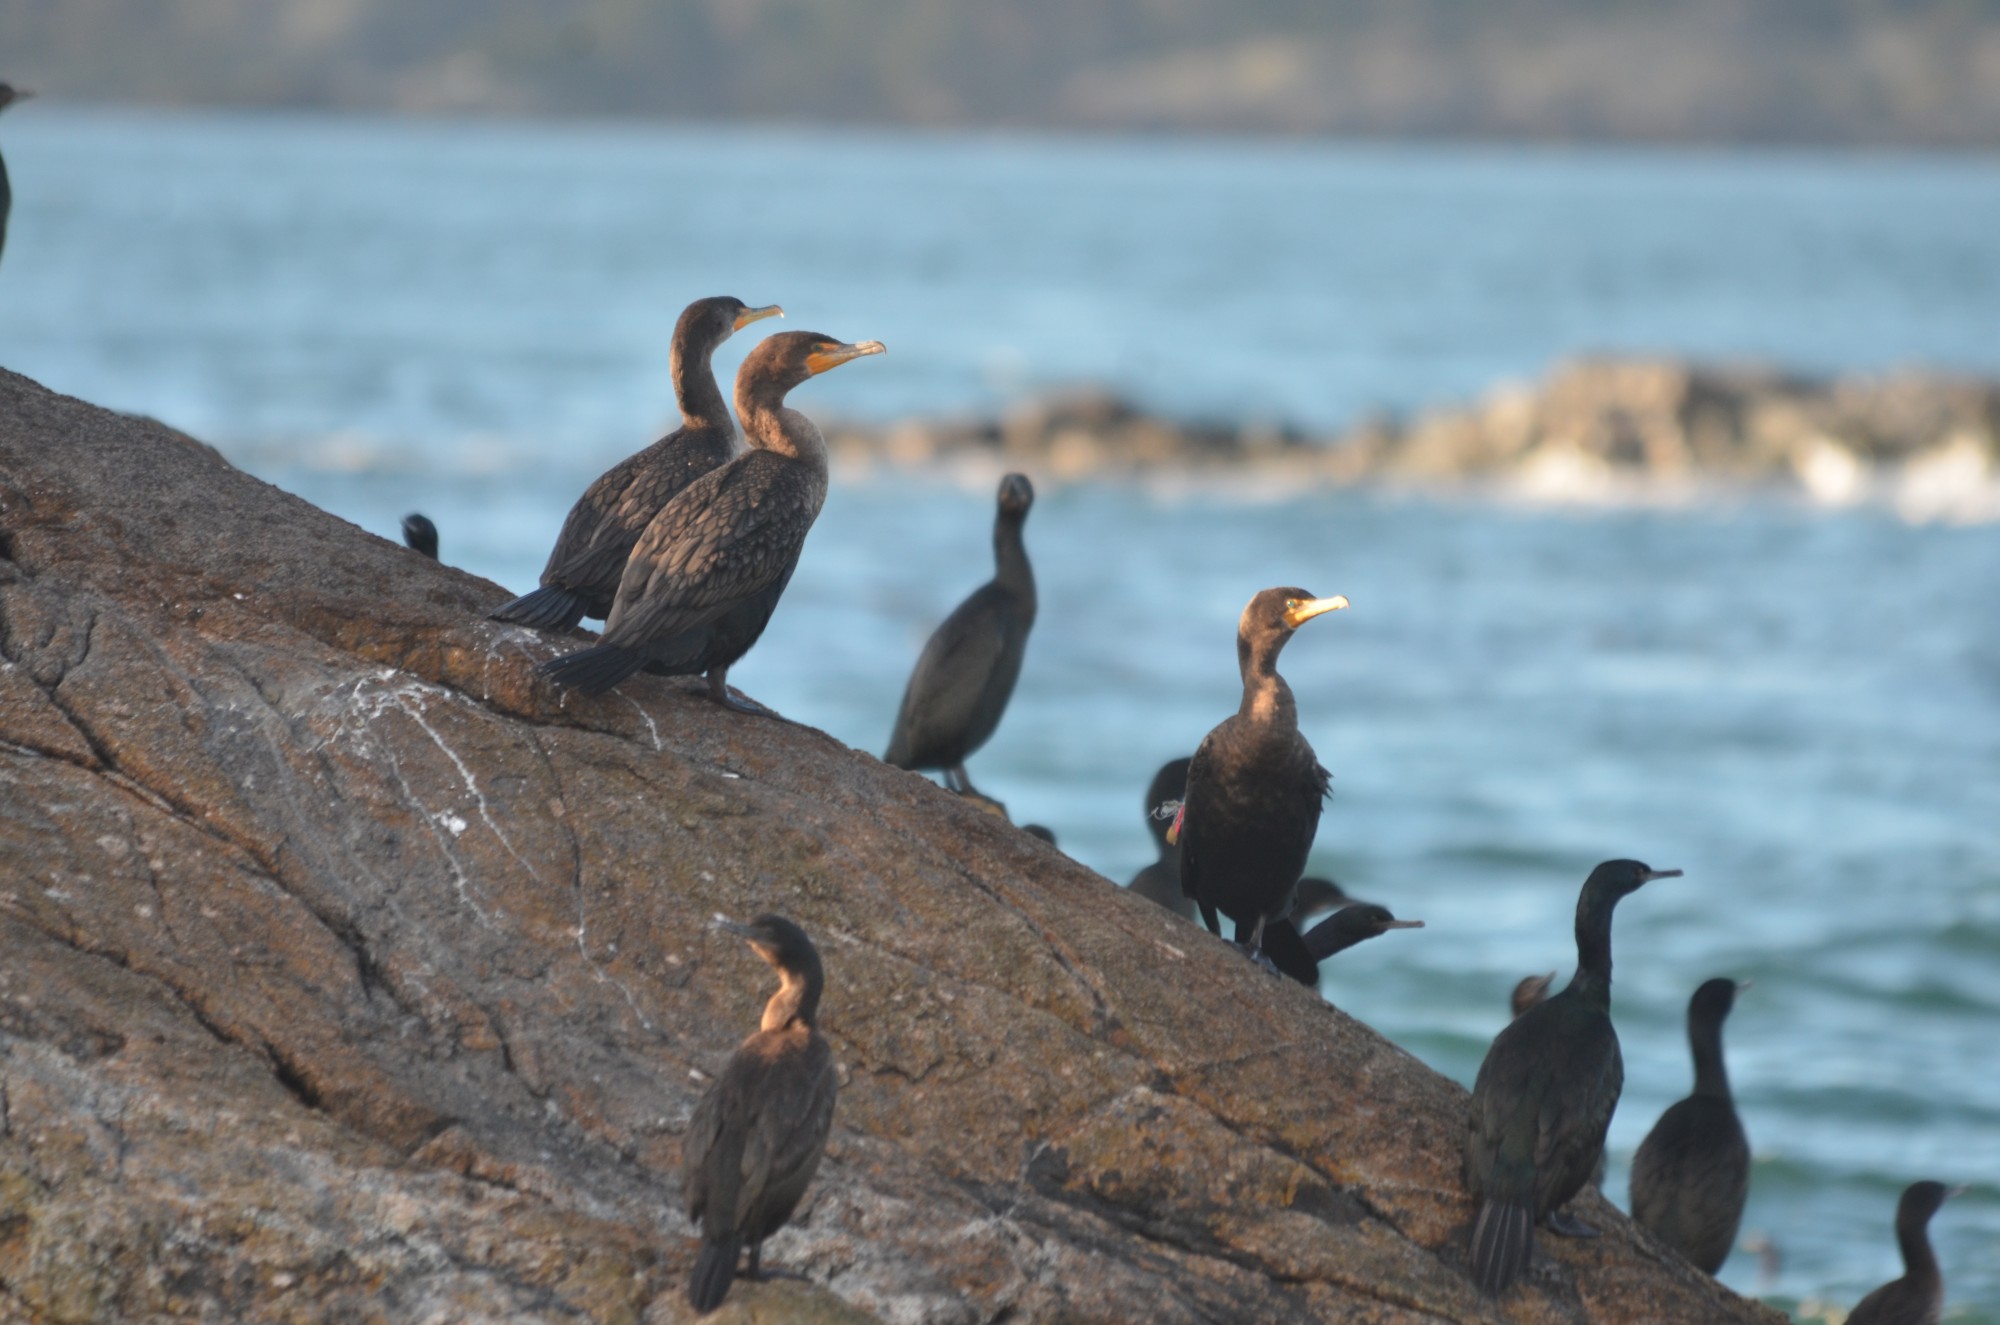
348	974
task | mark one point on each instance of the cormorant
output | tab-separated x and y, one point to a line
757	1135
710	568
1254	787
968	668
1161	880
421	534
1533	991
1692	1173
1042	831
1918	1297
582	576
8	96
1544	1096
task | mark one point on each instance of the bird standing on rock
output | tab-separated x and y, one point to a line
1691	1176
582	576
420	535
708	572
1545	1094
967	671
1254	787
8	96
1918	1297
756	1137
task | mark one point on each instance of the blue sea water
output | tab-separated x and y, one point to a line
1800	708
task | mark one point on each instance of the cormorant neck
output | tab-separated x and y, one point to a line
1592	981
1010	559
1919	1261
771	426
699	397
1710	1076
1266	697
797	999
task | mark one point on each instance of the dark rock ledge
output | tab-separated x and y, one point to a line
346	975
1928	445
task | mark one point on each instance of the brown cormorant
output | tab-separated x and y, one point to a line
8	96
582	576
1544	1096
1531	992
1918	1297
968	668
757	1135
1254	787
421	534
1692	1173
710	568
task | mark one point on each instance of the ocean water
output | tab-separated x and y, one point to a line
1800	708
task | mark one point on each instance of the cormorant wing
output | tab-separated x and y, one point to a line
704	1130
727	536
784	1144
1577	1101
953	671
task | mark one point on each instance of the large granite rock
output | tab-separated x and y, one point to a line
349	974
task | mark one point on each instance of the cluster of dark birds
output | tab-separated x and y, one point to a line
684	550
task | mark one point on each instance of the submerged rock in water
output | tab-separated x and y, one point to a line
1927	444
348	972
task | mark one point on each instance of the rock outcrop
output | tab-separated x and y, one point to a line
1621	428
349	974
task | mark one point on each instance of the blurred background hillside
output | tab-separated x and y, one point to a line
1793	71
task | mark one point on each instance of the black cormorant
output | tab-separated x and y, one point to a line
1161	880
756	1137
1692	1173
1042	831
421	534
8	96
709	570
967	670
1918	1297
582	576
1544	1096
1254	787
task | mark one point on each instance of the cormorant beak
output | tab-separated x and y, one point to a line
1300	613
1647	876
1402	924
1959	1190
740	930
820	361
749	315
1742	985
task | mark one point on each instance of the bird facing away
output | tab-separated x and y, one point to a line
709	570
1254	787
1692	1173
420	534
968	668
1545	1094
8	96
597	538
1918	1297
757	1135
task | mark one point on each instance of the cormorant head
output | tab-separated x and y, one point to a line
1038	830
1620	878
1271	617
1167	788
1920	1201
783	361
1532	990
1712	1001
1016	496
421	534
10	94
777	940
709	322
1365	920
1315	895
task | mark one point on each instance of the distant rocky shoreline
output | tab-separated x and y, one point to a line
1594	429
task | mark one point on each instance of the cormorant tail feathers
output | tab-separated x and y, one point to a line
714	1271
593	670
1501	1243
549	608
